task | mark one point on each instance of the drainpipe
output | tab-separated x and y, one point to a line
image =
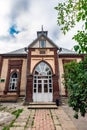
26	49
59	50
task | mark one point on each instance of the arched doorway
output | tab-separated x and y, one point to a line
42	83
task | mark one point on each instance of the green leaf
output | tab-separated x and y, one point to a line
76	47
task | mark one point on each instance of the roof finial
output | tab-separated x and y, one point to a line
42	28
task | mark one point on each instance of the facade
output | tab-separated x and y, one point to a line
35	72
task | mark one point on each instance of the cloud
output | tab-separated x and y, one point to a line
17	8
21	19
66	40
5	8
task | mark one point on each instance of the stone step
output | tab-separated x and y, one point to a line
42	105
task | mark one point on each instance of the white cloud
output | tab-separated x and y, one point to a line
66	40
5	8
29	16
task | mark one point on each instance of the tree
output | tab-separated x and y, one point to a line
69	13
75	80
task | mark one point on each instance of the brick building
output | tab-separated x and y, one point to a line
35	72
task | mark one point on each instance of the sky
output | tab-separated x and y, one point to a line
21	19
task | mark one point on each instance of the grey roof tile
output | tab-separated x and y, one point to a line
19	51
22	51
67	51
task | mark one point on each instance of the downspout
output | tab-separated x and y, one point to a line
59	50
26	49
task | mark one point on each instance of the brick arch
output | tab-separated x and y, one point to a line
14	71
45	63
13	65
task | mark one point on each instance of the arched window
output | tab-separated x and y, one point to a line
13	82
42	81
42	70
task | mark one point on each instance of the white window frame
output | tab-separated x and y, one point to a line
13	81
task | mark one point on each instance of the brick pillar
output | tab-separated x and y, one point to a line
55	88
29	89
56	77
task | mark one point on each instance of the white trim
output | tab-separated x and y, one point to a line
40	79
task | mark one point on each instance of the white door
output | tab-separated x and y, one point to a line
42	84
42	92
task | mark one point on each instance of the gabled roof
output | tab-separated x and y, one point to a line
19	51
39	37
22	51
67	51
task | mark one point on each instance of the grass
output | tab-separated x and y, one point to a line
17	114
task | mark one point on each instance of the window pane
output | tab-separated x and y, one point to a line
35	81
34	90
49	80
13	82
42	44
50	85
14	75
39	88
39	81
13	86
50	90
45	88
34	85
45	81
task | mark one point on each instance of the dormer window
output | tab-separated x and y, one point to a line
42	44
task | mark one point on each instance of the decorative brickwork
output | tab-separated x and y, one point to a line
29	88
56	77
29	85
13	66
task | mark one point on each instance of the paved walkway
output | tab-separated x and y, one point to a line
80	123
43	119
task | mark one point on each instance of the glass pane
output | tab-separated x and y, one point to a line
36	72
46	68
49	80
39	88
39	77
34	85
42	44
35	81
50	85
50	90
39	81
34	90
13	85
14	75
45	81
49	73
45	88
42	69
